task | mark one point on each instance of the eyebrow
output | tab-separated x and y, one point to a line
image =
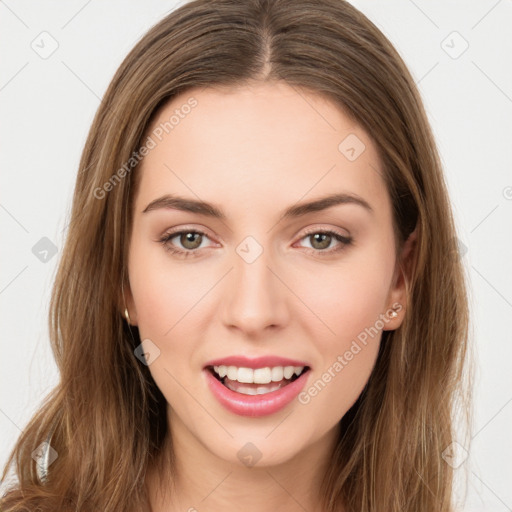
174	202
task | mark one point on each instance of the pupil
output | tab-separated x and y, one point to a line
188	240
321	238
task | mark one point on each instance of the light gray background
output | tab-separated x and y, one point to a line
47	104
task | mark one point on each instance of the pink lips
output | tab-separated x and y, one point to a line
256	362
255	405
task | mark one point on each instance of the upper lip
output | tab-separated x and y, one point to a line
255	362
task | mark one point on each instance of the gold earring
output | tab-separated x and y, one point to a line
126	314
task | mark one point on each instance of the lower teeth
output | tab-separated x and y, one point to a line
261	390
238	387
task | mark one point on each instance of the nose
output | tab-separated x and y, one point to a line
256	300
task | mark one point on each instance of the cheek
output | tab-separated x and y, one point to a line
170	301
167	302
349	302
164	292
347	298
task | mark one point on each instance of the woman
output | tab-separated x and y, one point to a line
258	304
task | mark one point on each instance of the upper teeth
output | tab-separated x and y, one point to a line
259	375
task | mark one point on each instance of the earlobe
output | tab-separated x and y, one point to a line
398	294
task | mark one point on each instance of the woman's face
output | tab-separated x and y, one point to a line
278	251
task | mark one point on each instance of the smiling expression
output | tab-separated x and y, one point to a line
257	234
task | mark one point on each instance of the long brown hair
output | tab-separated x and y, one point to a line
106	416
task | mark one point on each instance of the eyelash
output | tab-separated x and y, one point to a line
345	241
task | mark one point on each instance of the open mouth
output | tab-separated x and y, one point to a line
259	381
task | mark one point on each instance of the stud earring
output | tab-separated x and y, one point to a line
393	314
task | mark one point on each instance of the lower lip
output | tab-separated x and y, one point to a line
255	405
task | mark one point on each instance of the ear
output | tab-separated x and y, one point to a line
397	297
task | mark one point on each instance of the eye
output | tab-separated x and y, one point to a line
189	239
320	240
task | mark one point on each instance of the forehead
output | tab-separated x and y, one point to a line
261	145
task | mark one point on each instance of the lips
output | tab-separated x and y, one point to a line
255	405
255	386
256	362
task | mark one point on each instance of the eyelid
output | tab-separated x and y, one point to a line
319	229
188	229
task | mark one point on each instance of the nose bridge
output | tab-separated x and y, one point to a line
255	299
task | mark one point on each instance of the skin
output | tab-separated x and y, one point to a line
254	151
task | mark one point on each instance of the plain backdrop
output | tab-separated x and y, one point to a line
57	59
